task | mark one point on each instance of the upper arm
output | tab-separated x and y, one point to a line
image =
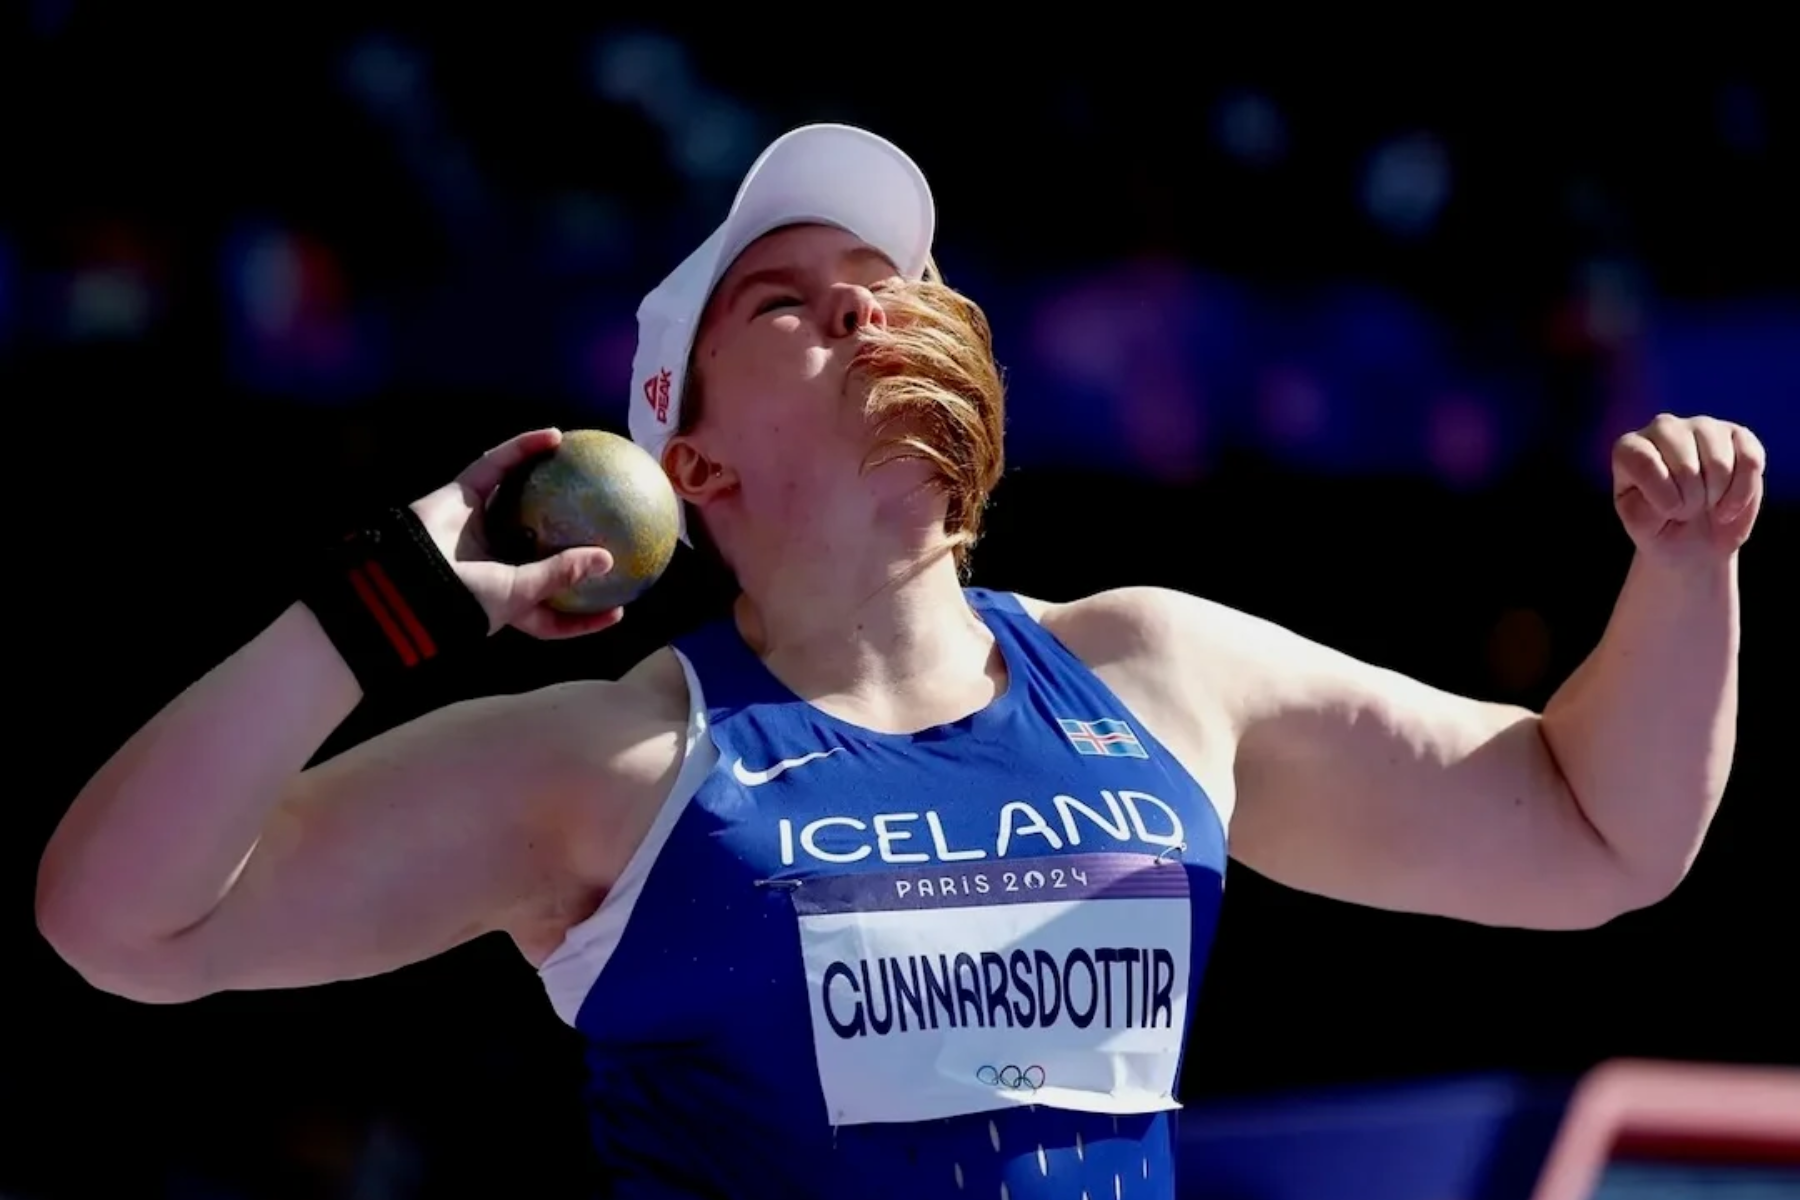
1365	785
472	819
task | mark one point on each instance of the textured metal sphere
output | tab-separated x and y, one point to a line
599	489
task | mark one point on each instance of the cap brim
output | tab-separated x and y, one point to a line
835	175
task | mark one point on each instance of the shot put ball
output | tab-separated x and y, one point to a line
599	489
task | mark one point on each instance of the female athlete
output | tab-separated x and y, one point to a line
885	886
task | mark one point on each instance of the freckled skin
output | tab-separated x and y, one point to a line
598	489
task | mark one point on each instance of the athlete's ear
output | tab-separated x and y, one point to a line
698	478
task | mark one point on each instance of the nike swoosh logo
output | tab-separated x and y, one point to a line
749	778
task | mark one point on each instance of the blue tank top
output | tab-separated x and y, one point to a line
958	962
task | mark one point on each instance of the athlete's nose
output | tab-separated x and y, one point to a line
853	307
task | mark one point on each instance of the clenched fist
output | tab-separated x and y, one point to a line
1688	487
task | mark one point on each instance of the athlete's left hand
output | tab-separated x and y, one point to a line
1688	488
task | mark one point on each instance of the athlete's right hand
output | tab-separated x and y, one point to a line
511	595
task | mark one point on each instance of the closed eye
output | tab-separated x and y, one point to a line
776	302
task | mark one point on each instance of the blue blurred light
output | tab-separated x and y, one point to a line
585	234
1119	369
1407	183
1292	409
1251	129
711	137
50	17
384	74
647	71
1741	123
1152	369
9	293
1613	294
719	142
1347	379
1737	362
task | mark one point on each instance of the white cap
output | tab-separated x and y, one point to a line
823	174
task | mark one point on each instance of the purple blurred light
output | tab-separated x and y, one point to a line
1292	407
605	365
1462	441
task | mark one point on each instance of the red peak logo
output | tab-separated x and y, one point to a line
656	395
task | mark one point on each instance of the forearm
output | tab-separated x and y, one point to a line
1644	731
157	836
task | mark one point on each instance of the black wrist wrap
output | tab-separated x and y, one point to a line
389	601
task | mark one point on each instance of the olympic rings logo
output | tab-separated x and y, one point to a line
1013	1079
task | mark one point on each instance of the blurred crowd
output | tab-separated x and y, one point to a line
1420	263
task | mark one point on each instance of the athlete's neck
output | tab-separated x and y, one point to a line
883	640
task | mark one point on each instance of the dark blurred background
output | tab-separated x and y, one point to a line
1333	324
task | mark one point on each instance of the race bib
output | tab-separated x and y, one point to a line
938	991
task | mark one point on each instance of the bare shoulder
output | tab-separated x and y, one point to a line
1230	660
1115	625
1143	626
1143	643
